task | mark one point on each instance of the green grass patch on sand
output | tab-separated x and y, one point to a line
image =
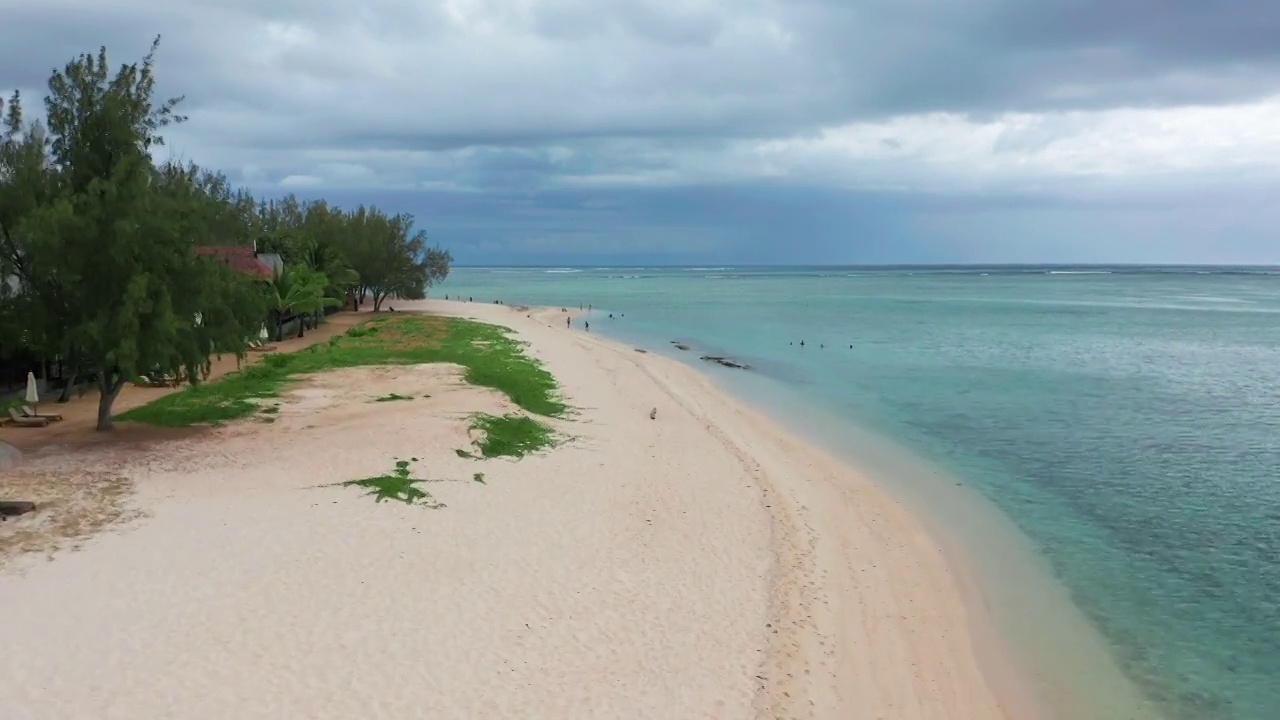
491	356
513	435
399	485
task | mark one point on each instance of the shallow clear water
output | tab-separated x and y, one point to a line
1127	420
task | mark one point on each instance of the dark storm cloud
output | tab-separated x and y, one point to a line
1178	31
630	67
669	115
765	224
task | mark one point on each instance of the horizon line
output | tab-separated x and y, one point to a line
867	265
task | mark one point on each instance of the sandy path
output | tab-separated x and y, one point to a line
703	565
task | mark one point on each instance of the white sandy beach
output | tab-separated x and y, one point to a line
706	564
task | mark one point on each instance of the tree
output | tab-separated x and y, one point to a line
299	290
32	300
390	260
436	262
110	253
97	243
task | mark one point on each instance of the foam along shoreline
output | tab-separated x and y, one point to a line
701	564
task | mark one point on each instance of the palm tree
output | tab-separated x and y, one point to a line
300	291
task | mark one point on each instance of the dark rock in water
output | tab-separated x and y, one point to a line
726	362
680	346
639	350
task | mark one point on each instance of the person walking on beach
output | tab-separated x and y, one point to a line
568	322
586	326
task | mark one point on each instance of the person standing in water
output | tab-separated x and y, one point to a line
586	326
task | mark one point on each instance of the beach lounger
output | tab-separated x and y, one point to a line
27	421
28	412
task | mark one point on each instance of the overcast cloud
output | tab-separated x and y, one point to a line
748	131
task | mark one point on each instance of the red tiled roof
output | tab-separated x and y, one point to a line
239	258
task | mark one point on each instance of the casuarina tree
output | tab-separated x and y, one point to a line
109	253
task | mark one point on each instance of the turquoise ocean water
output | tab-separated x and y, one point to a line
1125	420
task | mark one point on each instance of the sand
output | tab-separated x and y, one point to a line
704	564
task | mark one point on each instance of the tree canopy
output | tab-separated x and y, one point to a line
365	250
98	241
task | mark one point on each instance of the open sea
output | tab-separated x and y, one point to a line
1122	425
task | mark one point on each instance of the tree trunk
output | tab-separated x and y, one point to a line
110	380
377	301
71	383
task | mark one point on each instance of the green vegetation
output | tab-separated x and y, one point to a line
511	435
491	357
392	397
124	267
479	477
100	240
399	485
298	289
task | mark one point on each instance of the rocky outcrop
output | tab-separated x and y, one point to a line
726	362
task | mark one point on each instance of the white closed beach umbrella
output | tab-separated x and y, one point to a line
33	394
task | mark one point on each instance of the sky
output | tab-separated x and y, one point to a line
752	131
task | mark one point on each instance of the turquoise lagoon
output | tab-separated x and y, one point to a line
1122	422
